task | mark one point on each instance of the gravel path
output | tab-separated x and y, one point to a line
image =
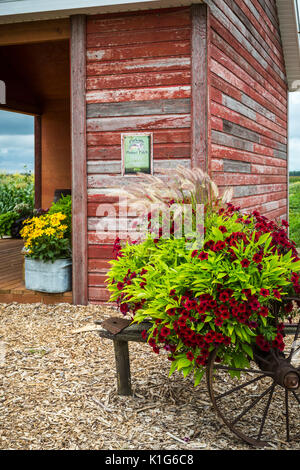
58	389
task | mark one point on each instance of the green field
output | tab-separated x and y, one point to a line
294	201
15	189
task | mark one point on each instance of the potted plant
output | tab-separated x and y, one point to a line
47	244
217	295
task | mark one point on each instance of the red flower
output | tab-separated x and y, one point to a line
262	343
224	296
190	356
276	294
124	308
144	334
257	257
264	311
264	292
223	229
219	246
245	263
203	256
194	253
165	331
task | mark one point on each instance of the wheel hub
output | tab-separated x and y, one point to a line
286	375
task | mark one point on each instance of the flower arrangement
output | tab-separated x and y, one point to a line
221	295
46	237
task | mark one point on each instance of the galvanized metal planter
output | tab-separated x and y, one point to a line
48	277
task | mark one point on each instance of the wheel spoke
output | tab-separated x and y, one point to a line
287	417
296	396
239	387
252	404
266	411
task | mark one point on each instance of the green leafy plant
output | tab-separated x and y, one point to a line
64	206
6	221
220	295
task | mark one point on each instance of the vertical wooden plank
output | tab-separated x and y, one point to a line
79	179
200	87
38	161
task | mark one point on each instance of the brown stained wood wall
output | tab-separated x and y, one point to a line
141	68
138	79
249	104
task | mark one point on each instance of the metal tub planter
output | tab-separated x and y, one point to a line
45	276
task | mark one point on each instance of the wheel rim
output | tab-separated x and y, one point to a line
256	407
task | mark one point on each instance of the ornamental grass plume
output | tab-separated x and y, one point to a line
179	185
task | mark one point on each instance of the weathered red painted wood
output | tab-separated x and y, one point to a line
200	104
136	80
160	49
177	17
140	37
237	86
138	65
79	193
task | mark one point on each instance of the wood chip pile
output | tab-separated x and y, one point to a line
58	389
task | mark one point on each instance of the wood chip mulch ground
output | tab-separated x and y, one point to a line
58	390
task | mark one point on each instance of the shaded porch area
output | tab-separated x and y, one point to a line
12	286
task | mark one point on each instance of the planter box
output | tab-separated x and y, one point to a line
48	277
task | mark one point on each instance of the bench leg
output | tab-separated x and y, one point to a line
122	367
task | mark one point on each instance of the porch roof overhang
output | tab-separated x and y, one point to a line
14	11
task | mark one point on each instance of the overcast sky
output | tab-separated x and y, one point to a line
17	140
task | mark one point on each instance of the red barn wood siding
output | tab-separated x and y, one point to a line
138	79
209	82
249	104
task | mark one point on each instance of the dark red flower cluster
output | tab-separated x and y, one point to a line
117	248
127	306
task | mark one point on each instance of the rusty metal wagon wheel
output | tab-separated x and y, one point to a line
263	405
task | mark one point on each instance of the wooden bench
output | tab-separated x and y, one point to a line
121	332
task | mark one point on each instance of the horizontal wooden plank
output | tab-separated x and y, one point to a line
148	64
34	32
227	113
98	293
175	17
138	80
254	189
106	39
106	181
108	167
160	136
239	178
139	108
143	94
236	166
264	158
160	49
139	123
160	152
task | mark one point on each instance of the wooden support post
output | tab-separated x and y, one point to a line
200	113
38	162
122	367
79	176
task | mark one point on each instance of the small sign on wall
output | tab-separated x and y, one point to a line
137	153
